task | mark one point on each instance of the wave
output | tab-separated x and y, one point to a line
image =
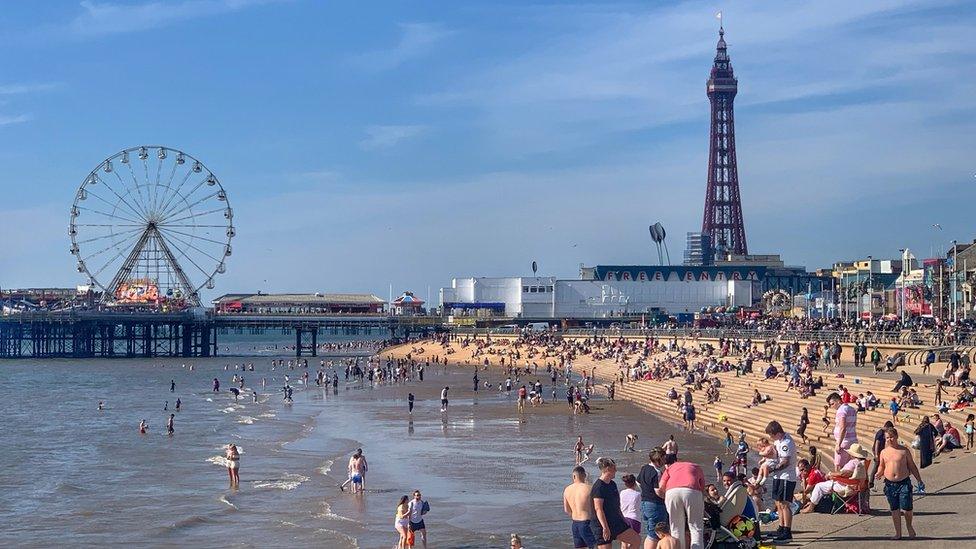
218	460
246	420
223	499
349	540
328	514
67	488
289	481
327	467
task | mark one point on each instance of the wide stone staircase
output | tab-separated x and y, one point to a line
786	407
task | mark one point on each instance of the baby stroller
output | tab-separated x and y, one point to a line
742	532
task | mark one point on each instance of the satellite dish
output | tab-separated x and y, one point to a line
535	268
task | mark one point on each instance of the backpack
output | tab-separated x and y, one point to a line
425	508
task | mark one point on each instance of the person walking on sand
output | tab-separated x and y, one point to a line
410	399
896	466
417	509
233	457
576	504
444	399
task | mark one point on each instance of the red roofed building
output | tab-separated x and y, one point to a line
408	305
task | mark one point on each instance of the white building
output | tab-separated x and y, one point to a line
547	297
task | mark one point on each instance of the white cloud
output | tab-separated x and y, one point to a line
102	18
383	137
19	89
416	40
598	74
6	120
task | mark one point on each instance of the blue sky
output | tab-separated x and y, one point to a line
368	144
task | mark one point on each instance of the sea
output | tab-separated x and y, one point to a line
74	475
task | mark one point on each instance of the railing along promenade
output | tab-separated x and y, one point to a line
912	338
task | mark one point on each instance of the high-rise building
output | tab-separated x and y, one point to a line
723	207
698	251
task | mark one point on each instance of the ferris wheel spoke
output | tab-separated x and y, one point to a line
182	252
109	262
165	195
138	187
111	246
168	225
192	246
175	208
176	192
125	186
156	188
90	193
166	222
109	235
164	229
114	216
142	225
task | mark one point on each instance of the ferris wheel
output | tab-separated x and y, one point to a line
151	225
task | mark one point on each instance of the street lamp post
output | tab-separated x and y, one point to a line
953	285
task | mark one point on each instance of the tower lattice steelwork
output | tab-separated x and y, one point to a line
723	208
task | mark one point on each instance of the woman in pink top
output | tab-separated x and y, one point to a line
682	485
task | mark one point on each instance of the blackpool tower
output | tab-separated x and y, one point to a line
723	208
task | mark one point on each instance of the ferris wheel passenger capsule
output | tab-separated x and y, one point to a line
74	211
72	231
210	284
229	213
231	232
92	179
73	249
143	153
221	268
161	154
82	194
81	267
227	250
197	167
221	195
108	166
180	159
211	180
125	157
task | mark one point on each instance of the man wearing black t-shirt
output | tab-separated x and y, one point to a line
609	523
653	510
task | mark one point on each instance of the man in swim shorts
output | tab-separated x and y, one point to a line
576	503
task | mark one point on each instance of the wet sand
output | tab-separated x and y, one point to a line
486	472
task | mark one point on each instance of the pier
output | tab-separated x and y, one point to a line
113	334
